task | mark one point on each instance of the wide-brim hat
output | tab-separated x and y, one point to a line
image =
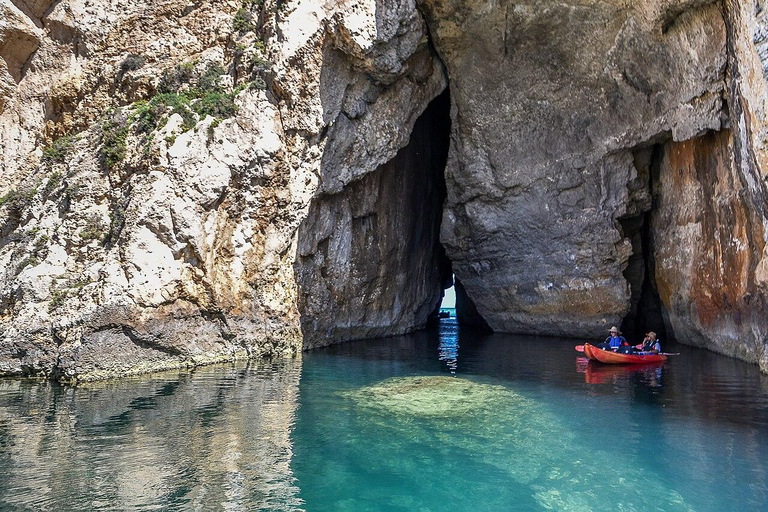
651	333
614	328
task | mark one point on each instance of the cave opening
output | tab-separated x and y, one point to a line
646	312
370	262
452	294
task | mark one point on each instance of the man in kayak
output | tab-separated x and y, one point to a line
651	343
614	341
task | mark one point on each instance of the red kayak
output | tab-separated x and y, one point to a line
609	357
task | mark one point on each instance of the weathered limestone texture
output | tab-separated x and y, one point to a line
161	231
182	183
556	109
748	109
550	100
708	240
369	261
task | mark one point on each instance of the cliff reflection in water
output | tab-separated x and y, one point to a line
217	436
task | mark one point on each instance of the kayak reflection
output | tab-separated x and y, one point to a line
597	373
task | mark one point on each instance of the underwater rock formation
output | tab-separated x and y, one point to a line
464	415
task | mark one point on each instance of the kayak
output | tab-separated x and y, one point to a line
608	357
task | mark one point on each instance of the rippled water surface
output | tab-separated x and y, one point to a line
445	419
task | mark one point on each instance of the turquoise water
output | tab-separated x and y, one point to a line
446	419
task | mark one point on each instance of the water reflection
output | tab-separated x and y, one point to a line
219	437
648	374
448	349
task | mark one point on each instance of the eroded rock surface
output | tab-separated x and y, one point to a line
186	183
543	192
708	241
551	99
163	231
369	261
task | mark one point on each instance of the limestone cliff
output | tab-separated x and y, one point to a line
159	158
190	182
554	222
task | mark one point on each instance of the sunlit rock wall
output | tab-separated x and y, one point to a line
162	231
188	217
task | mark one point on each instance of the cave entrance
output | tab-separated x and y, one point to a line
370	263
457	304
645	312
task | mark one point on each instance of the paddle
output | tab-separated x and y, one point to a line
580	348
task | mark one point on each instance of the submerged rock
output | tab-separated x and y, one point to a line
472	420
432	396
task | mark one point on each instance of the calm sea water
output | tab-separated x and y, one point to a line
447	419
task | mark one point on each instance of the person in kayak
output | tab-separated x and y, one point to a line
651	343
614	341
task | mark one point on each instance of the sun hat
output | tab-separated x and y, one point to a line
614	329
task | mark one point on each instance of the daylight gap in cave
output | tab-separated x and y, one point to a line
370	262
433	128
646	311
436	121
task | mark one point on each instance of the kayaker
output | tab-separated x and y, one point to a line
615	340
651	343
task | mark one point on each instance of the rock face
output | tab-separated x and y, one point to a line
544	217
707	245
369	260
548	113
162	232
186	183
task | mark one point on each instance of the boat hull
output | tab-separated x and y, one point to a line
608	357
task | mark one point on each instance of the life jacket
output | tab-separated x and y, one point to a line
648	348
615	341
